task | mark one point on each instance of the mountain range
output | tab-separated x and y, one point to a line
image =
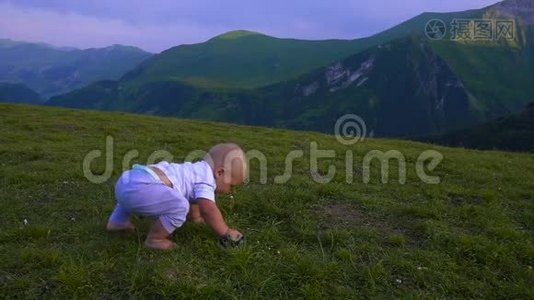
403	82
50	70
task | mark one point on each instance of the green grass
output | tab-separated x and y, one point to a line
470	236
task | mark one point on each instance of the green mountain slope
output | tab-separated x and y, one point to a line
499	74
471	236
18	93
50	70
241	59
245	59
500	78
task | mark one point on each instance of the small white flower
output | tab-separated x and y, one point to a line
232	197
25	222
73	219
278	251
399	281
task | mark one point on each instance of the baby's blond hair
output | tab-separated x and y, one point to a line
230	157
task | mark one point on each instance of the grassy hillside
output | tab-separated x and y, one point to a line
469	236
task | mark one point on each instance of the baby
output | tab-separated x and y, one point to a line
169	192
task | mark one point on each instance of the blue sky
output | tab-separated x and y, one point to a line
160	24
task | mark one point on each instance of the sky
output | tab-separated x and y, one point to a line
157	25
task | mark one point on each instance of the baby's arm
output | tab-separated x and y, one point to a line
212	215
194	214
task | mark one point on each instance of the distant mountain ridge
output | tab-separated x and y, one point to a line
246	59
402	88
51	70
401	82
6	43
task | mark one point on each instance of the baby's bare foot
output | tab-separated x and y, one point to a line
163	244
127	226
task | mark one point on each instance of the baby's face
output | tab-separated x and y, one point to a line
224	185
231	172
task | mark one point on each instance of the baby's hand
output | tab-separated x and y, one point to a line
232	238
233	234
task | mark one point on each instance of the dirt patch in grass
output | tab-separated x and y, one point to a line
343	214
348	215
340	215
458	199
